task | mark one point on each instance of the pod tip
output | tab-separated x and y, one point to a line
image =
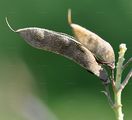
69	17
9	25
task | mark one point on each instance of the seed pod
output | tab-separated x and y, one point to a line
101	49
64	45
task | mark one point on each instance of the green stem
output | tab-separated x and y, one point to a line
118	106
120	65
117	93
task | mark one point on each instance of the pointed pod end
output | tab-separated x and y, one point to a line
69	17
9	25
104	76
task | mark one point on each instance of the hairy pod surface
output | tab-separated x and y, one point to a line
64	45
101	49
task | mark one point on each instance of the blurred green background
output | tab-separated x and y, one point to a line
68	91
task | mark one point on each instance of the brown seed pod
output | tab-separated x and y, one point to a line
64	45
101	49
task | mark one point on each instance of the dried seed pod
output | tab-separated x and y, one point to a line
101	49
64	45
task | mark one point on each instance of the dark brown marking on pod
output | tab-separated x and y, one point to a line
101	49
64	45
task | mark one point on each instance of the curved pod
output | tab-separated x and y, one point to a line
64	45
101	49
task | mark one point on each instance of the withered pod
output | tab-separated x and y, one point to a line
64	45
101	49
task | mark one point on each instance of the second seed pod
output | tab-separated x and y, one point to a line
101	49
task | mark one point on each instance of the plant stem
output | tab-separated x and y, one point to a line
125	82
108	95
120	65
117	93
127	63
118	106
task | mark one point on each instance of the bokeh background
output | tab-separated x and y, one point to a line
39	85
